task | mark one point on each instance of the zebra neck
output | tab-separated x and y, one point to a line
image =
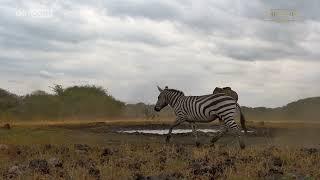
174	103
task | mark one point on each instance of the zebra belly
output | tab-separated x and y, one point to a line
202	119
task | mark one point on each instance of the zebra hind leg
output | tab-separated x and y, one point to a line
235	131
195	134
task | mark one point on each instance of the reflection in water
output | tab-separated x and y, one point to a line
165	131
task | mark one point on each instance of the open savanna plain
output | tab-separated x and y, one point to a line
96	150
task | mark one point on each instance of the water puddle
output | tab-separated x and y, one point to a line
165	131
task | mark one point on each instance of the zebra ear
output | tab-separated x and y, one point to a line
160	90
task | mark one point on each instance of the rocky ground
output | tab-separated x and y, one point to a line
157	161
97	151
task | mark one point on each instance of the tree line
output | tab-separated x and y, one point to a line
71	102
94	102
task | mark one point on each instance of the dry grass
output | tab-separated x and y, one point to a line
119	121
103	158
284	124
127	161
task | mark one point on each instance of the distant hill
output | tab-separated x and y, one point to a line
307	109
302	110
91	102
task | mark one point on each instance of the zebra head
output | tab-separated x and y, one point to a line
168	97
162	99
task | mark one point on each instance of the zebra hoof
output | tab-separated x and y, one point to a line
213	140
242	145
197	144
168	139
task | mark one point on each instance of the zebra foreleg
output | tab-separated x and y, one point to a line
220	133
177	123
195	134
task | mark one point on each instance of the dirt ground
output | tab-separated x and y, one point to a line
98	151
304	136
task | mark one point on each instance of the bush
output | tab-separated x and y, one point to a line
75	102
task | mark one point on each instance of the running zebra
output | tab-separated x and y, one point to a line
203	109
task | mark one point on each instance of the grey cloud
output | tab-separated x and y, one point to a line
130	60
157	10
255	53
47	34
238	20
18	65
49	75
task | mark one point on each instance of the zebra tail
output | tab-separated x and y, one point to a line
242	120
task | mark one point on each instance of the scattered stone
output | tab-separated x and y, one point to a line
7	126
63	175
18	151
310	150
106	152
229	161
201	170
135	166
162	159
80	163
63	150
277	161
12	172
139	176
85	163
173	176
47	146
55	162
90	163
14	169
94	172
40	165
200	167
217	170
295	176
247	159
23	167
81	148
180	149
274	171
4	147
224	153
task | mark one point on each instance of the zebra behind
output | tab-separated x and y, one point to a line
202	109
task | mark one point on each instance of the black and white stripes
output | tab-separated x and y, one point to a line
204	108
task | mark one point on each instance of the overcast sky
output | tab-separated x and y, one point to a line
130	46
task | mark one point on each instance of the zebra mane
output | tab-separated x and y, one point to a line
174	90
